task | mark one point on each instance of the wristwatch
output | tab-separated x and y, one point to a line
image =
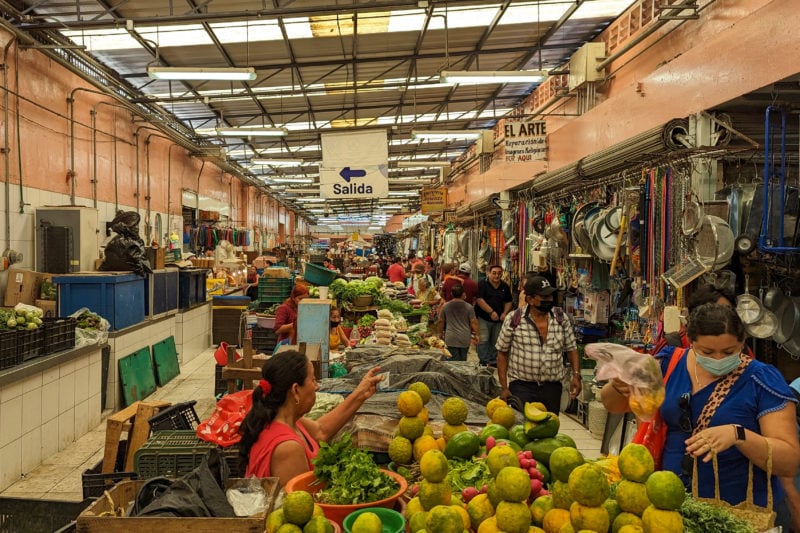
740	434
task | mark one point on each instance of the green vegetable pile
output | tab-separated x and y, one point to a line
700	517
463	474
350	474
19	319
89	320
366	321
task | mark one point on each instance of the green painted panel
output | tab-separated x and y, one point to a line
137	376
166	359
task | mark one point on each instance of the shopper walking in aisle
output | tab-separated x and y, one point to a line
461	278
417	274
396	272
531	348
493	303
458	325
719	402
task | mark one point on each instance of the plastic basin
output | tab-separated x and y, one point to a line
392	521
318	275
337	513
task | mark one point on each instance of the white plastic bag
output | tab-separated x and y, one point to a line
91	335
640	371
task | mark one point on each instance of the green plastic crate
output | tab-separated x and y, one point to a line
175	453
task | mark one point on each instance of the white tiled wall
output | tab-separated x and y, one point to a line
193	332
47	412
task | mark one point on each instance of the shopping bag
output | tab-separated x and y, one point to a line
222	427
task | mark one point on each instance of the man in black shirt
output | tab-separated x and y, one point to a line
491	307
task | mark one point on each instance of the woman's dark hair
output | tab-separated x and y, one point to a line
708	294
715	319
281	371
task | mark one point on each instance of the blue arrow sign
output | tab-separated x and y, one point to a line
346	174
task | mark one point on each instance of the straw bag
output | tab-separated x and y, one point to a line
761	518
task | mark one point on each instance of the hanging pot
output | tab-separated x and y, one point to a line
714	242
764	328
748	307
788	316
774	299
792	344
612	219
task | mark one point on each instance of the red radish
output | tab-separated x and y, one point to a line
484	489
491	442
528	454
468	493
414	490
532	461
536	486
534	473
544	492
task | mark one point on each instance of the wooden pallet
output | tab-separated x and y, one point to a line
133	420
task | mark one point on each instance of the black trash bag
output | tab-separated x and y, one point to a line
126	250
199	493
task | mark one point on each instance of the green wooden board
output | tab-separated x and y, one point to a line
136	375
166	359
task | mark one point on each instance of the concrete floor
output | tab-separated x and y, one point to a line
59	476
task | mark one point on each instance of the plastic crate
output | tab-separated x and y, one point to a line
178	416
95	483
29	515
220	385
59	334
191	287
176	453
119	298
264	339
9	356
30	343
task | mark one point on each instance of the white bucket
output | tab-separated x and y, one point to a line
323	293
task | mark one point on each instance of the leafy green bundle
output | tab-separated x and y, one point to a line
350	474
700	517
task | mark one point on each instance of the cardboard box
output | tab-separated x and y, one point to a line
23	286
156	257
48	307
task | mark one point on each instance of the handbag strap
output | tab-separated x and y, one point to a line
720	391
677	355
769	478
715	470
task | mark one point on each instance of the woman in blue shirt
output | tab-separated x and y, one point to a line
758	407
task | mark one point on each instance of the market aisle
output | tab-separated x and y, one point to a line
59	476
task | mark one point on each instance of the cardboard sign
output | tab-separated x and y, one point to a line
525	140
433	201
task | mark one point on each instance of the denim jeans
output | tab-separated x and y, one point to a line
487	353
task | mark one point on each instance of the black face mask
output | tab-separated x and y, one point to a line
545	306
334	324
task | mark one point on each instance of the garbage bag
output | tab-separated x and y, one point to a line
125	251
199	493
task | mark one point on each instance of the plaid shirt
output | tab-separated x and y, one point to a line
528	359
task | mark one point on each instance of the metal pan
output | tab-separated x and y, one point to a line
774	299
764	328
748	307
788	316
792	345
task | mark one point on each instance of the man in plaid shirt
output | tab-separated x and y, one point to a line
530	349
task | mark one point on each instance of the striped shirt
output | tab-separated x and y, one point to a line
528	359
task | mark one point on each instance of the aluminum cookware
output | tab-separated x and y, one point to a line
765	327
788	316
748	307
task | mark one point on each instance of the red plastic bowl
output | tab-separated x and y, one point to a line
337	513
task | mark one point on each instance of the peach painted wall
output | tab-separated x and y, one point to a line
734	48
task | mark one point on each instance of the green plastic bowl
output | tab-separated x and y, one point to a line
393	522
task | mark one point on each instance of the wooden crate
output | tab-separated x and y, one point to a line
123	494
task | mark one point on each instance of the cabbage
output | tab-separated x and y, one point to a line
374	281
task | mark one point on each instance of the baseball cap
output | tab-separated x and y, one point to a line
465	268
539	285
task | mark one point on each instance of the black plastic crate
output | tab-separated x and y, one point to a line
220	385
178	416
264	339
30	343
24	515
95	483
59	334
176	453
9	356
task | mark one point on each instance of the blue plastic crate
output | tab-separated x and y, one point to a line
119	298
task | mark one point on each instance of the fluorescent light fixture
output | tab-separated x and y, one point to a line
311	200
292	180
403	193
277	162
492	76
257	131
423	164
443	135
202	73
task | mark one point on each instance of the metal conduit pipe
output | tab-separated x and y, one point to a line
7	141
673	11
93	113
169	185
17	117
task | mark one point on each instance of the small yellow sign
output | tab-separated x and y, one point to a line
433	201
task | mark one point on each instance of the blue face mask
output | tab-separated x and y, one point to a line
718	367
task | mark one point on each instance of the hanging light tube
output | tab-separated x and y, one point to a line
443	135
492	76
258	131
202	73
277	162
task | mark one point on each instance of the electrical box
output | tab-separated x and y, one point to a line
67	239
583	65
313	327
486	142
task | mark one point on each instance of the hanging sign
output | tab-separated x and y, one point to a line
526	140
354	165
433	201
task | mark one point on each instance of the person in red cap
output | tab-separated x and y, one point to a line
286	315
530	349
